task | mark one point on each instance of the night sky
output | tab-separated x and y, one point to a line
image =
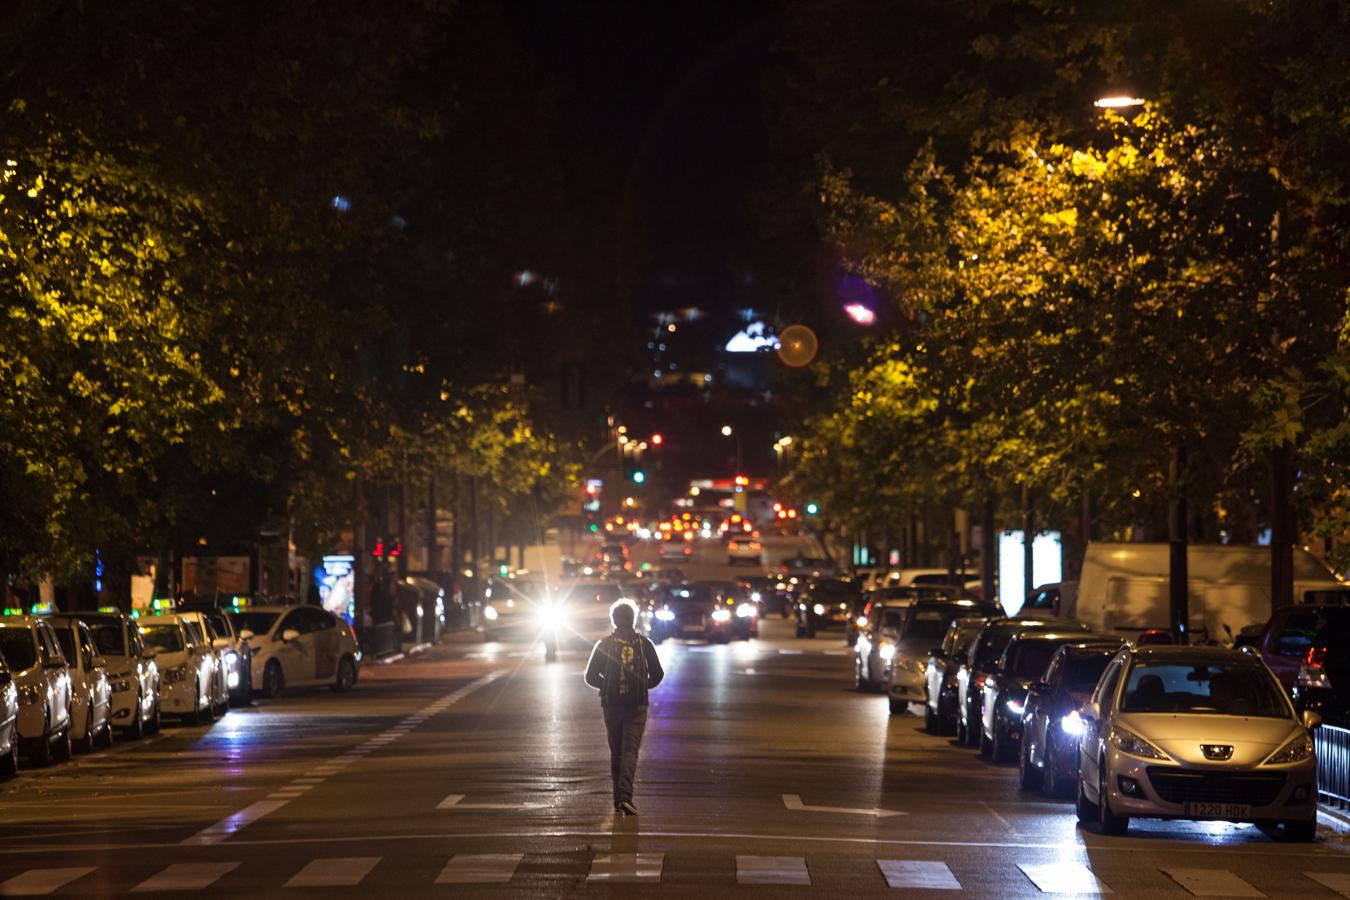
662	122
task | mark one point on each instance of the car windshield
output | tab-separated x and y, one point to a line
163	638
691	593
1221	689
256	622
16	643
1084	672
109	639
1032	657
218	624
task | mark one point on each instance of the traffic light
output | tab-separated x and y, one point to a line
639	476
657	440
812	509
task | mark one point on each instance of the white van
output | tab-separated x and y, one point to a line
1123	588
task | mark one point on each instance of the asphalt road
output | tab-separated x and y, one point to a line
480	769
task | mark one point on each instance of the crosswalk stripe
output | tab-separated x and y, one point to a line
626	867
771	870
36	882
186	877
226	827
1064	878
918	873
1333	881
1212	883
334	872
479	868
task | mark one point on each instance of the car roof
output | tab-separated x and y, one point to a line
1190	653
275	608
1103	646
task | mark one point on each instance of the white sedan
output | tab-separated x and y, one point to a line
91	721
299	645
186	668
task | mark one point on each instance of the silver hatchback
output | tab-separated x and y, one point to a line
1195	733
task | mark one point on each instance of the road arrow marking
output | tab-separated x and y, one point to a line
794	803
453	802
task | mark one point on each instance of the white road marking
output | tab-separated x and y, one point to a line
626	867
282	795
310	780
794	803
479	868
454	801
1332	881
1064	878
918	873
297	787
771	870
342	871
186	877
226	827
1212	883
36	882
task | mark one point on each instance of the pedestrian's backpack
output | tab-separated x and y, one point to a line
626	681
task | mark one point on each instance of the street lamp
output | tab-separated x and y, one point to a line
728	431
1118	102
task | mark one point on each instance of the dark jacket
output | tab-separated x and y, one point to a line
620	681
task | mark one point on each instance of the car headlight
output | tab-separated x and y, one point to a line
818	609
1016	705
721	615
1297	750
861	621
29	695
1072	724
231	658
887	652
552	616
490	613
755	597
745	611
665	615
1127	741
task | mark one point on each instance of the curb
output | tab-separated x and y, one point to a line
1336	819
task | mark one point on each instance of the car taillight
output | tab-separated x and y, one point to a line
1317	656
980	680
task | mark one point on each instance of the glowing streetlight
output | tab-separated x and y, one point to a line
726	431
1120	102
863	315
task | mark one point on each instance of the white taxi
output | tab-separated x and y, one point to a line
34	656
132	671
91	710
200	630
294	646
186	668
9	722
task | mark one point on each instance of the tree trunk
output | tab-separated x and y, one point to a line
402	563
432	567
988	590
1281	527
1028	543
1178	575
473	526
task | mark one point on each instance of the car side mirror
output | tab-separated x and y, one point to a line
1310	719
245	634
290	634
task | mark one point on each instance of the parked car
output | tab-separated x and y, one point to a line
187	668
237	654
874	647
985	652
1188	732
745	549
1050	599
1052	722
33	654
899	596
912	577
941	695
1289	634
924	622
826	603
133	674
201	631
9	721
1323	681
1007	684
295	646
91	694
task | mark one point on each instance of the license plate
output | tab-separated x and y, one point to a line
1219	810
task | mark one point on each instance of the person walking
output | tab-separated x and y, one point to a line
624	667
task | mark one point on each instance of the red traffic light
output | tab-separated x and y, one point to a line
657	440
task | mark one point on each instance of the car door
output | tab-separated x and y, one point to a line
296	655
101	690
1039	702
327	642
56	674
1095	726
199	658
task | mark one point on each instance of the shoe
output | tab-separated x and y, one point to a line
627	808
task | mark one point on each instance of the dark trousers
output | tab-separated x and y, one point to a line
625	725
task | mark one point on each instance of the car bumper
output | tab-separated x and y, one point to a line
32	722
908	686
1295	799
179	698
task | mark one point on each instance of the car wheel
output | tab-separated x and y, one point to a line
346	676
1107	821
801	630
208	712
106	740
274	680
1028	776
1302	830
1051	786
898	707
961	732
62	749
9	765
41	756
986	745
930	719
136	730
1000	748
195	717
156	721
859	683
1085	808
86	743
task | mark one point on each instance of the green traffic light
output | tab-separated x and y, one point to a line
639	476
812	509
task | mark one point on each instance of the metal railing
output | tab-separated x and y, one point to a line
1333	765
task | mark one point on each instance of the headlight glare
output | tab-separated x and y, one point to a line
1127	741
721	615
745	611
818	609
665	615
1072	724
